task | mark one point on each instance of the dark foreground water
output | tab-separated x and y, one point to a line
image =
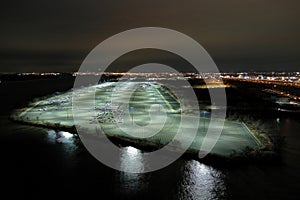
34	165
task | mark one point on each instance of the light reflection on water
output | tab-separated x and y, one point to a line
275	181
131	159
191	179
51	136
184	180
197	180
200	181
131	183
67	140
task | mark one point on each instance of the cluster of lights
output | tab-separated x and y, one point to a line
266	76
277	78
291	96
271	78
39	74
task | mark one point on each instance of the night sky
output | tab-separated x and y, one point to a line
246	35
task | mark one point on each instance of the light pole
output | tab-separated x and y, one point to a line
131	108
204	113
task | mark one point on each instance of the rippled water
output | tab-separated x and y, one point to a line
38	157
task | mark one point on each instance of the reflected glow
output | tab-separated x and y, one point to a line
66	140
64	137
201	182
278	120
66	134
60	137
51	136
131	183
132	152
131	158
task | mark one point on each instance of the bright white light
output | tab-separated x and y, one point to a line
132	159
132	151
66	134
278	120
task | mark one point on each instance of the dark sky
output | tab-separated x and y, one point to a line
240	35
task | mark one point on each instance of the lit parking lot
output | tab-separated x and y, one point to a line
112	101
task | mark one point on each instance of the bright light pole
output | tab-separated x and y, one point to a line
204	113
131	108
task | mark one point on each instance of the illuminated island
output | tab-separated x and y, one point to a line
55	112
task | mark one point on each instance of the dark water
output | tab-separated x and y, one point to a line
35	165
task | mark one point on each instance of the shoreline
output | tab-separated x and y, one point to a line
263	149
264	153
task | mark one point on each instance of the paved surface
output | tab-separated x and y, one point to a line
58	109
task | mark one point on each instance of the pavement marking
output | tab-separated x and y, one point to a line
167	103
252	135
